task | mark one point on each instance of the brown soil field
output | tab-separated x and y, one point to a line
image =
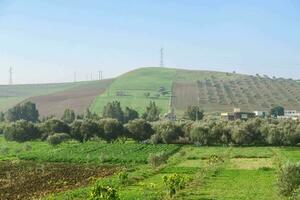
184	94
31	180
77	99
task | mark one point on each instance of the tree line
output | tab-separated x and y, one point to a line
23	124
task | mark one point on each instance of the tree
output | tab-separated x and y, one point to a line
68	116
89	128
2	117
89	115
277	111
200	134
83	130
194	113
21	131
130	114
147	94
139	129
52	126
113	110
152	112
26	111
167	131
112	129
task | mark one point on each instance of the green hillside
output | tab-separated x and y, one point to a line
133	86
213	91
13	94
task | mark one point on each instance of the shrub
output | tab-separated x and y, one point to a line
130	114
139	129
155	160
58	138
26	111
174	183
152	112
200	133
101	192
289	179
155	139
194	113
21	131
83	130
68	116
51	126
112	129
168	131
113	110
123	177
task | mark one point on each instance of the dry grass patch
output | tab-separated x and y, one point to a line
250	163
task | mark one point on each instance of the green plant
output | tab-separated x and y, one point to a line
123	177
174	183
58	138
156	160
101	192
289	179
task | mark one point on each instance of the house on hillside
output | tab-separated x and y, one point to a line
237	115
261	113
290	114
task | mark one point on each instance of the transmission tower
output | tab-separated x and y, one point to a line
162	57
10	76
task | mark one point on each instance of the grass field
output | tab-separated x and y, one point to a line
134	85
10	95
242	173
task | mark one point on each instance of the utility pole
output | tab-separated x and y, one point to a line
161	57
91	76
10	76
100	75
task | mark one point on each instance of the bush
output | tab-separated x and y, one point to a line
21	131
168	131
139	129
152	112
68	116
174	183
83	130
101	192
194	113
26	111
156	160
58	138
112	129
289	179
51	126
2	126
113	110
200	133
130	114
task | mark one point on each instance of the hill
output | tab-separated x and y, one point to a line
212	91
53	99
13	94
78	98
130	89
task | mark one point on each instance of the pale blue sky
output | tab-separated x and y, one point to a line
46	41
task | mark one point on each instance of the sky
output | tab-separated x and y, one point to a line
48	41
